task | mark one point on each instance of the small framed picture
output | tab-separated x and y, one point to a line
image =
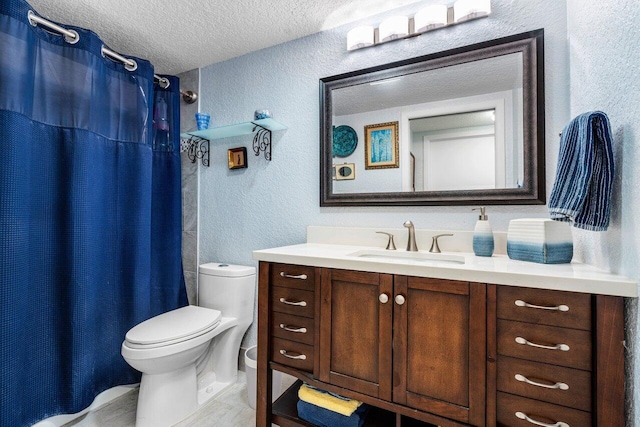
237	158
344	171
381	146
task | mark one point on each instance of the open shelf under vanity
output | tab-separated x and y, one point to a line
285	413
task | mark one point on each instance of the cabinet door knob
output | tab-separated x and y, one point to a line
556	386
400	299
563	347
383	298
561	307
524	416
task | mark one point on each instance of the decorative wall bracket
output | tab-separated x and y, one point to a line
262	141
196	148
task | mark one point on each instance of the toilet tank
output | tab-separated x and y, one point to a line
228	288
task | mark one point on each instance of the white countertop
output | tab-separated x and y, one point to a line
498	269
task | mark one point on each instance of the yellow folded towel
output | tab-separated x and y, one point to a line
325	400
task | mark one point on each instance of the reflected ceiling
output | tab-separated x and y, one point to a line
501	73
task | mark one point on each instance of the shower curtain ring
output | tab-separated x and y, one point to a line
72	39
70	36
131	66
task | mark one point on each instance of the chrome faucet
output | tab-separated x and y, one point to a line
411	243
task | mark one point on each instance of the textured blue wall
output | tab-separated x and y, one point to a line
271	203
604	51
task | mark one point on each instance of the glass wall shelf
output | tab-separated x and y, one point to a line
237	129
261	140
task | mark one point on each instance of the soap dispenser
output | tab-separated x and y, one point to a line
483	235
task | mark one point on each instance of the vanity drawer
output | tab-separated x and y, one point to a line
293	276
540	412
545	307
294	328
526	341
572	386
291	353
293	301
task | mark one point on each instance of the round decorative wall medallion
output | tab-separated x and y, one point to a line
345	141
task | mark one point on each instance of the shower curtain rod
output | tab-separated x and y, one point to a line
72	37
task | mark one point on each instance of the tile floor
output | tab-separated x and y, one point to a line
229	409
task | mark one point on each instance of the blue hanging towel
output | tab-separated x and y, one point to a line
582	188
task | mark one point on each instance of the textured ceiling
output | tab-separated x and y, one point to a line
177	36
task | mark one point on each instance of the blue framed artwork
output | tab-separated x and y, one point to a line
381	146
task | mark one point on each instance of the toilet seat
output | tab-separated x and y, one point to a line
173	327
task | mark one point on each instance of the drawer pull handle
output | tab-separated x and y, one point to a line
289	276
383	298
561	307
293	329
562	347
556	386
400	299
292	356
298	303
524	416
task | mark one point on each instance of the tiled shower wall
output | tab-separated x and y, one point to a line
189	80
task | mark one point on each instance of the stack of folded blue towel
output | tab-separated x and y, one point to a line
325	409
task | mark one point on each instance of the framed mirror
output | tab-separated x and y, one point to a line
459	127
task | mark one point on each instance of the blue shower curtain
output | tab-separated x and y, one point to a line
90	215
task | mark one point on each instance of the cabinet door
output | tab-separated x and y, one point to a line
439	347
355	331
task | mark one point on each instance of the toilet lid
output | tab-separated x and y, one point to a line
174	325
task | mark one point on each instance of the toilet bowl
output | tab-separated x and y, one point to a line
189	355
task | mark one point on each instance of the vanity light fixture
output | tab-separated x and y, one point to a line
360	37
395	27
464	10
430	18
426	19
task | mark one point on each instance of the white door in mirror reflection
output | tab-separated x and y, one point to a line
471	143
458	152
459	163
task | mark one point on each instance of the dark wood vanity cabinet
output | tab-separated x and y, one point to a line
293	315
439	347
427	352
414	341
556	358
356	331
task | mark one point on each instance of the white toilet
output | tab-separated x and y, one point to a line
189	355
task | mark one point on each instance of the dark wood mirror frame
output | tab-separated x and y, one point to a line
533	192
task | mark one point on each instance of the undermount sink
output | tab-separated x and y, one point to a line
395	256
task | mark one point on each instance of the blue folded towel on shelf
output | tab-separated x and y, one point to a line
322	417
582	188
